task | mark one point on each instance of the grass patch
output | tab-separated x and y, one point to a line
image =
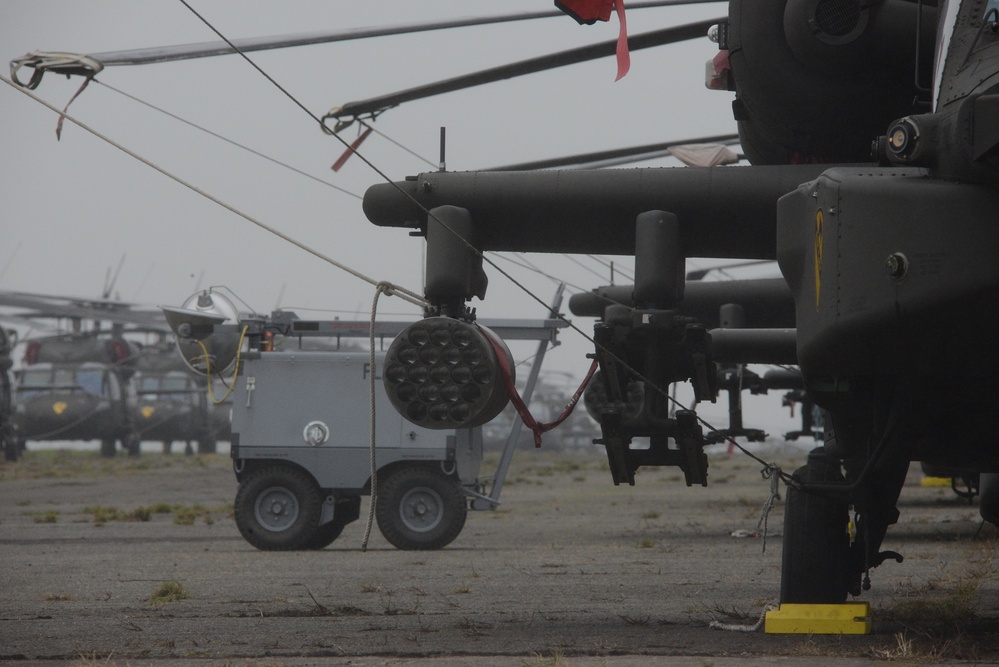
77	464
183	515
51	597
552	659
168	591
941	619
186	515
51	516
101	514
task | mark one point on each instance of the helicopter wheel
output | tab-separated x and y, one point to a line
346	511
108	449
131	444
277	508
420	508
207	445
816	538
12	448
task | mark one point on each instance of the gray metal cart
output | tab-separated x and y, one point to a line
301	442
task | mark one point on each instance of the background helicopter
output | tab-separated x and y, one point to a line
106	383
10	444
735	216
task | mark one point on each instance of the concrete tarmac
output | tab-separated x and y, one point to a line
570	570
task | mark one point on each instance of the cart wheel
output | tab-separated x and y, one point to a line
346	511
419	507
207	445
277	508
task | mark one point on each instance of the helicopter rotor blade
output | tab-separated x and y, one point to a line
55	307
375	105
89	65
615	156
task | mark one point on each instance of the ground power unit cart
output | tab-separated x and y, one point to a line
301	439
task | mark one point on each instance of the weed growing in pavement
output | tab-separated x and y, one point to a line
186	515
903	650
553	658
183	515
50	516
52	597
76	464
95	660
168	591
102	514
940	618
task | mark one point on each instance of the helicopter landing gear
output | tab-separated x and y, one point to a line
815	559
988	487
207	445
419	507
13	447
131	444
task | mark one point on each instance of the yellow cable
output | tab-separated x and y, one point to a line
235	372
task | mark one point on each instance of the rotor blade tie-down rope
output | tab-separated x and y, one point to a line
772	472
401	292
718	625
518	403
388	289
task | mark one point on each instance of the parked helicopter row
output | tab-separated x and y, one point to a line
105	384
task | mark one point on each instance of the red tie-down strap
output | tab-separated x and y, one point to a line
591	11
623	57
351	149
518	403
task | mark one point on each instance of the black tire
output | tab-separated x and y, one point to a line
277	508
420	508
988	488
108	448
12	448
814	560
346	511
132	444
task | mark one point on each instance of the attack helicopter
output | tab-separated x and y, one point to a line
869	128
871	132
